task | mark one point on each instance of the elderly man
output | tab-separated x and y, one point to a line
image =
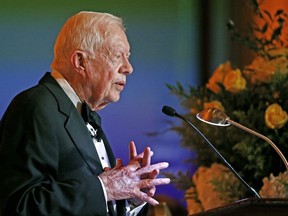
54	156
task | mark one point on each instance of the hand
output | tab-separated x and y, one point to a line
136	180
125	182
144	159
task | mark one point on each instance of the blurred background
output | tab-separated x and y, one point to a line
171	41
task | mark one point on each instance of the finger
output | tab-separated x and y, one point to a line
150	168
153	174
106	168
150	191
140	156
132	150
144	197
133	165
119	164
146	157
148	183
151	201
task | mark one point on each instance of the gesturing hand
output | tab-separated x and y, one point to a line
144	159
137	180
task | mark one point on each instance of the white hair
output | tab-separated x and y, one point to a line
86	31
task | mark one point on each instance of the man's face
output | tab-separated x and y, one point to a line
108	71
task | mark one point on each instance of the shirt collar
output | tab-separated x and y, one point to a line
67	89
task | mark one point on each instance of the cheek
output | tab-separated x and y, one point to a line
103	80
104	85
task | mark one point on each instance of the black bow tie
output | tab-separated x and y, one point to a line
90	116
93	119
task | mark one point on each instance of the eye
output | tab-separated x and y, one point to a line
117	55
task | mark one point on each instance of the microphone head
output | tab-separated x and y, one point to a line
169	111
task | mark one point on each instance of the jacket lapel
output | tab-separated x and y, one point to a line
83	142
74	125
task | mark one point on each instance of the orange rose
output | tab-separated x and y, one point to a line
214	104
275	186
208	195
234	81
218	77
275	116
262	69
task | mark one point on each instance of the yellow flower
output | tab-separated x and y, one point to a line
214	104
275	116
231	79
234	81
218	77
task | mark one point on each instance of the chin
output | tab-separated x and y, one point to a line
114	98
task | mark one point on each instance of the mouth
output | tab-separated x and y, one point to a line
120	85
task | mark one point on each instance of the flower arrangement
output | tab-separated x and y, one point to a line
254	96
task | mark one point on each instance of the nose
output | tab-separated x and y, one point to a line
126	67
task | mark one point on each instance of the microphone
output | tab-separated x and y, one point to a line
172	112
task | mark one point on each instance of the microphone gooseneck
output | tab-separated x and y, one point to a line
172	112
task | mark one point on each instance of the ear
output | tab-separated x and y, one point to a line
78	59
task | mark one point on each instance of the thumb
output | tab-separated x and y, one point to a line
119	163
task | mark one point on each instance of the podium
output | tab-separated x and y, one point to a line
250	207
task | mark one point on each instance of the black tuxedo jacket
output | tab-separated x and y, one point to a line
48	162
